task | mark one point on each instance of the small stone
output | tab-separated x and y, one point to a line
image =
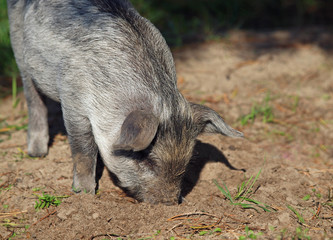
62	215
284	218
95	215
70	211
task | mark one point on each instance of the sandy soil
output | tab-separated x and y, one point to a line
289	74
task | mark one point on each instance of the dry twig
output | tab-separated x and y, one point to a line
189	214
10	214
46	216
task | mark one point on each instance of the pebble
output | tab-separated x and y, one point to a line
292	201
284	218
64	213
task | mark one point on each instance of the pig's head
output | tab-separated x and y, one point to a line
157	153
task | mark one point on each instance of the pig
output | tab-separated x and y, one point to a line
115	78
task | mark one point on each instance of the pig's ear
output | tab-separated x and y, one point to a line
137	132
209	121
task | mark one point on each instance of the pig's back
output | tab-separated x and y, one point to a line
97	52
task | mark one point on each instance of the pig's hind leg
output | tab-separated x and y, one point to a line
84	152
38	130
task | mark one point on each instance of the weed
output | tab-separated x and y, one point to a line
318	195
151	237
21	155
299	215
36	189
288	136
295	103
314	194
5	206
264	110
47	200
326	97
210	232
7	223
7	129
249	234
301	233
330	198
12	225
306	197
9	187
12	236
243	192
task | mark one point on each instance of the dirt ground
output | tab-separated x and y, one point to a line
285	79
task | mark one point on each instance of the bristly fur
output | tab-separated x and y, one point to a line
103	61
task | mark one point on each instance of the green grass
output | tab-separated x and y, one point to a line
329	201
295	103
302	233
7	188
306	197
298	234
210	232
299	215
6	129
21	155
263	110
243	195
249	234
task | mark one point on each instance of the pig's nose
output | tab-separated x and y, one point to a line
173	201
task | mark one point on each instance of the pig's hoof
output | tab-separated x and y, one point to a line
80	189
37	148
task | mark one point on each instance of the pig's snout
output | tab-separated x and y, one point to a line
163	196
165	201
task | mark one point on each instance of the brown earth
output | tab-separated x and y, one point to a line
289	74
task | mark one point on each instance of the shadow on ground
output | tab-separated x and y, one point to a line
203	153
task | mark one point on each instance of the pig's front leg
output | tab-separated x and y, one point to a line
38	130
84	153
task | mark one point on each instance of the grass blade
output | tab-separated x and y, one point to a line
263	206
299	216
243	188
224	191
255	179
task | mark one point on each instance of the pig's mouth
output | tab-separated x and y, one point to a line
167	195
165	201
155	197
